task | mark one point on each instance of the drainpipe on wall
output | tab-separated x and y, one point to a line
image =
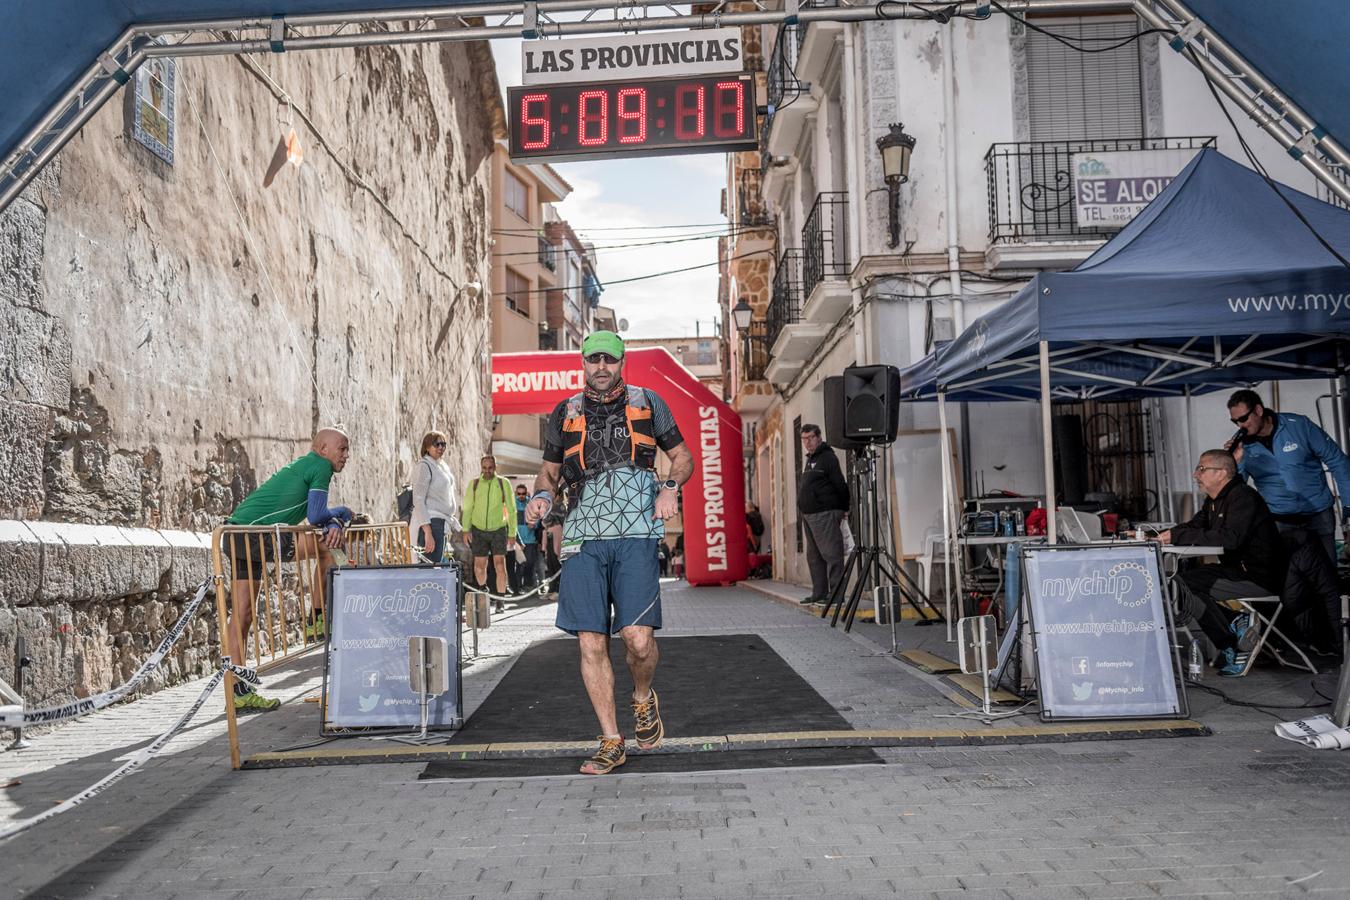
949	131
857	126
949	154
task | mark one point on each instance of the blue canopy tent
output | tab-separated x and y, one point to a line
1214	282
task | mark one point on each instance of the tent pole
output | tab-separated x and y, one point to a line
943	443
1047	439
1337	419
1190	450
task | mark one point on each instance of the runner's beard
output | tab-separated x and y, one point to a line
609	396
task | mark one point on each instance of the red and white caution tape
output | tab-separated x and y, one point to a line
138	759
76	708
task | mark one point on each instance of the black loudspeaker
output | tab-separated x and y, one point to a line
1071	466
871	403
834	415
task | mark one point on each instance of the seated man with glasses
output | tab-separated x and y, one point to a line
1252	564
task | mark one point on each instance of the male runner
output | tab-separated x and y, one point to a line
298	492
602	443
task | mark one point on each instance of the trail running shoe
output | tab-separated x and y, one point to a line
1231	663
316	630
610	756
648	729
253	701
1244	632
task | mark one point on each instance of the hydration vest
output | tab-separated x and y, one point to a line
641	437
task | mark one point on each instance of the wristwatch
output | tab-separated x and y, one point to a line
670	484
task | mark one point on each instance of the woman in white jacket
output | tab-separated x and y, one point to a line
435	506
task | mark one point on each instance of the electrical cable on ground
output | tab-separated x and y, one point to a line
1261	707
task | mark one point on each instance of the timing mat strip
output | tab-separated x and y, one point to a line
1059	732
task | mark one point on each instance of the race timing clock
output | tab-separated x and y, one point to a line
651	117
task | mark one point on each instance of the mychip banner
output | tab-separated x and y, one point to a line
372	611
1100	622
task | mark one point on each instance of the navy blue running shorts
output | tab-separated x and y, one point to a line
609	585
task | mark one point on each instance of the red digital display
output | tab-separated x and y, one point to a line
649	117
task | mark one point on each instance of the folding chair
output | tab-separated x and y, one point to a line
1267	631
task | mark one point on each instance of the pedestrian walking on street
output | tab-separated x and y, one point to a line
434	507
1284	453
490	517
525	561
823	502
602	444
297	493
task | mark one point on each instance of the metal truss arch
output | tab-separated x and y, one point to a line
1243	83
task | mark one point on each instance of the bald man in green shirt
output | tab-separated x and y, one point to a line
296	493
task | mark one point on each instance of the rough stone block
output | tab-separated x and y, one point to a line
20	565
24	427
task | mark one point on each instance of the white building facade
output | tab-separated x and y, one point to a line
997	111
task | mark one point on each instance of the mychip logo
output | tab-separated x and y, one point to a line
1128	583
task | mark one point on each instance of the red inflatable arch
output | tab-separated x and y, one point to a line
714	497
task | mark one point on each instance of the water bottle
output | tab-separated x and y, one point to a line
1195	665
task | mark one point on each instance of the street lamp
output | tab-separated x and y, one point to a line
742	314
895	147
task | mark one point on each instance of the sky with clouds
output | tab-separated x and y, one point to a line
617	201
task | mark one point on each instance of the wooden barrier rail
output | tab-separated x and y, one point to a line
274	577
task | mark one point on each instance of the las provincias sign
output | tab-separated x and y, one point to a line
711	51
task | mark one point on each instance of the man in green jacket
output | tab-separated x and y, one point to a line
490	518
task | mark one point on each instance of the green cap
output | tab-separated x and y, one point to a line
603	342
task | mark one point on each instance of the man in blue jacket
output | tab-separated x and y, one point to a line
1284	454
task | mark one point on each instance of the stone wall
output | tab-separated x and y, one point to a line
171	334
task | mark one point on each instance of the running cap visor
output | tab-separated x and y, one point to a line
603	342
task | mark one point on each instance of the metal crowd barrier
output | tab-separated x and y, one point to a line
288	594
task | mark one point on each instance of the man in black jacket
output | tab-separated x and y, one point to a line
822	500
1253	562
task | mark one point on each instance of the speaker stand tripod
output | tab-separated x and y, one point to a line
873	562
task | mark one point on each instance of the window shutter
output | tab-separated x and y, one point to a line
1076	96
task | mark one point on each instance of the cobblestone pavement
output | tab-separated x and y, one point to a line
1239	812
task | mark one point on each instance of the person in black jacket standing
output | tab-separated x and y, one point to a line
822	500
1253	563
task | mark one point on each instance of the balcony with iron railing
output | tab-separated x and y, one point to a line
1031	186
755	351
825	262
783	86
790	100
548	255
791	339
785	300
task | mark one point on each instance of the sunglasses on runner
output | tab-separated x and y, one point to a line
440	444
602	358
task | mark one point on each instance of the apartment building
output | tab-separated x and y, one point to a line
545	292
857	269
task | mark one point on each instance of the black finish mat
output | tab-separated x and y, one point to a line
709	685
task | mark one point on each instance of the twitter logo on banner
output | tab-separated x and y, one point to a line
367	703
1082	691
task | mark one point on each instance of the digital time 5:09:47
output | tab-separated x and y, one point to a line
657	113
